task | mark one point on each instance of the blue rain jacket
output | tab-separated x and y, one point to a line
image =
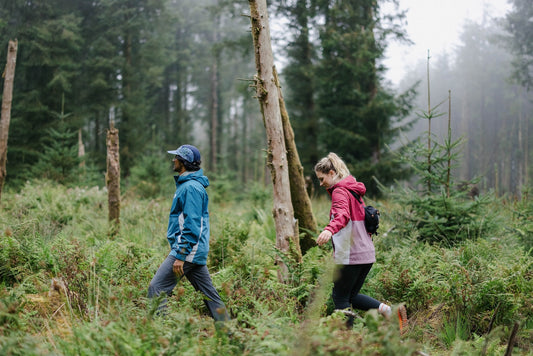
188	224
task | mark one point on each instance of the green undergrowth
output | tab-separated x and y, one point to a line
68	287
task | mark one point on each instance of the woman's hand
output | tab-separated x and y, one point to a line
324	237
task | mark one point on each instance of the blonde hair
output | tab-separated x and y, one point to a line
332	162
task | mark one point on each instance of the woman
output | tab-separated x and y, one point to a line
352	245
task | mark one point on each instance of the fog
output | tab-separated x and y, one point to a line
470	72
435	26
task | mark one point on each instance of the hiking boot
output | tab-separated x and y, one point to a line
402	318
350	317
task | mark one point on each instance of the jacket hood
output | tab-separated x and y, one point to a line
197	176
350	183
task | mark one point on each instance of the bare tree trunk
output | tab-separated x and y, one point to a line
372	87
81	150
512	340
113	179
429	128
526	140
7	98
214	116
267	93
244	146
214	102
519	178
301	203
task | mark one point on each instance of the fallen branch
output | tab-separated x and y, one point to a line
512	339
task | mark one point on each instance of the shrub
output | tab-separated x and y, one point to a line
447	220
225	246
151	176
522	224
452	293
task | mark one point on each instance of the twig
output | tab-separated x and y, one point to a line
391	229
484	351
511	342
493	318
420	353
61	306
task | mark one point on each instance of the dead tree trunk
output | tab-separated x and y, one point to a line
113	179
214	116
81	150
213	105
7	98
287	240
301	203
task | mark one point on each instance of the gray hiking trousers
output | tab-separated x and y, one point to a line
165	280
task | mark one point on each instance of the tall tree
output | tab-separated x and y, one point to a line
7	98
113	179
141	67
301	203
359	116
99	85
520	26
48	65
232	127
214	98
490	109
267	94
185	93
299	73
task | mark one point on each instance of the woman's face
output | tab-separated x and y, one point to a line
326	179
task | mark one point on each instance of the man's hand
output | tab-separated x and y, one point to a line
324	237
177	267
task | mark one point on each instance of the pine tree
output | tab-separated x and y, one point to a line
58	160
440	209
299	74
518	23
48	63
359	116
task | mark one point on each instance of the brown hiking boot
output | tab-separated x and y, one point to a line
402	318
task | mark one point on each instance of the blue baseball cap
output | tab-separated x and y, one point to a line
188	153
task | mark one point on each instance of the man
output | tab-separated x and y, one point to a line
188	234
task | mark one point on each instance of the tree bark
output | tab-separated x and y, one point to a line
7	99
113	179
214	116
512	339
287	241
526	141
81	150
214	102
301	202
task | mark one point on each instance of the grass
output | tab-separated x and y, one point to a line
67	287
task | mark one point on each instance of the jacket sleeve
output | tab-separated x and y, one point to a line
340	210
192	219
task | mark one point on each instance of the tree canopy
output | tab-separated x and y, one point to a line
166	72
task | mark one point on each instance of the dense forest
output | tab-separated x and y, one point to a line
166	72
450	162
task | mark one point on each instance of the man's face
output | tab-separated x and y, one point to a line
178	166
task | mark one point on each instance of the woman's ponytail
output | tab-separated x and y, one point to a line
332	163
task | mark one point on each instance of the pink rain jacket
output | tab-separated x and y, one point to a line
352	245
